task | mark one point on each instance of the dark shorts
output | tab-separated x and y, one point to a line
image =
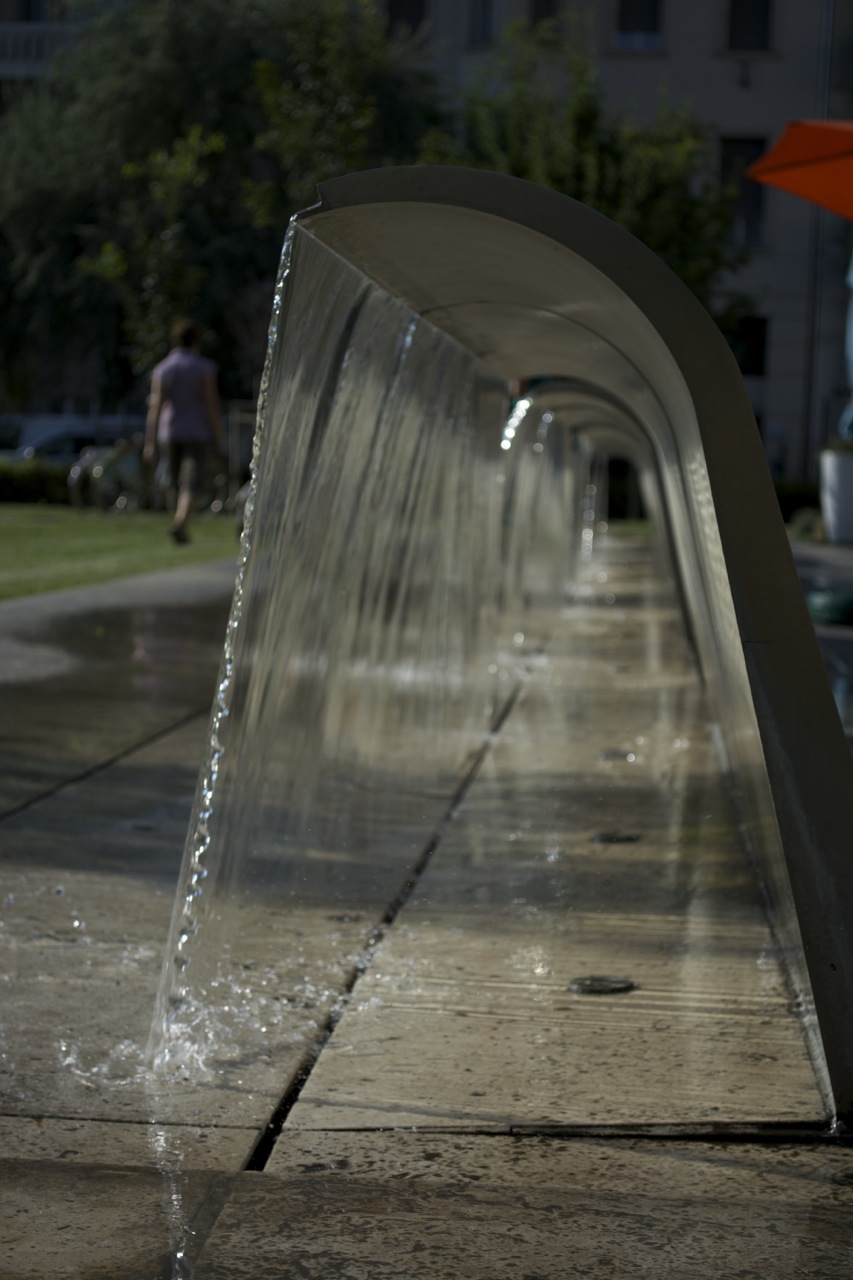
186	465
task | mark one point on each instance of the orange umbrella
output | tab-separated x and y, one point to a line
813	159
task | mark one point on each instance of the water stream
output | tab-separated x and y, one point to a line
396	531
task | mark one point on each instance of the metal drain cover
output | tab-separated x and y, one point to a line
598	984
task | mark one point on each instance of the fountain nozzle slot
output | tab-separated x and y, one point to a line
601	985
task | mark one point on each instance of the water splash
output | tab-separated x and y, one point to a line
168	1155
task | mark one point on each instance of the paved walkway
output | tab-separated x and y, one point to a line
471	1116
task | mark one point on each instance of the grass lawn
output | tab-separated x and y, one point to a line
46	548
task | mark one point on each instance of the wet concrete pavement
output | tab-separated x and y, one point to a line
470	1116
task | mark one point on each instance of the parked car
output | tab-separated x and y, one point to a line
112	475
61	450
53	436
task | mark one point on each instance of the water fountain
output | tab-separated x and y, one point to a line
414	535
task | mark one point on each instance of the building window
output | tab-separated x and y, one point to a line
736	155
408	15
750	26
542	10
638	26
481	23
34	11
749	344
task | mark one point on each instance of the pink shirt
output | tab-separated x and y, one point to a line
184	417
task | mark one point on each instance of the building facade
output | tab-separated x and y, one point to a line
744	68
30	32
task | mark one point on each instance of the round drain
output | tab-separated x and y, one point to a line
598	984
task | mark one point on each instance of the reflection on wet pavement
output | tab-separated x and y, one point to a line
83	685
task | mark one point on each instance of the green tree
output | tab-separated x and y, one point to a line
151	263
153	171
346	98
535	111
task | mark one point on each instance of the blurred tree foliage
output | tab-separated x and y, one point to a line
152	172
534	110
151	262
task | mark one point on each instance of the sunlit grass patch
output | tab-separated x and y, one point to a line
48	548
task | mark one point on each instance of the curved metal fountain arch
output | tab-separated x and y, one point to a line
403	293
536	284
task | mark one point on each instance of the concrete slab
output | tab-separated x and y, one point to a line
98	671
443	1206
129	818
93	1142
403	1204
94	1221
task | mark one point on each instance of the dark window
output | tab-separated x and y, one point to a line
749	344
638	25
406	14
736	155
31	11
481	23
750	26
542	10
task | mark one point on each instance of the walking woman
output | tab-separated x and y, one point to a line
184	420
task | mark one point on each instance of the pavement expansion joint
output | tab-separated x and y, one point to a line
270	1134
761	1133
102	766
